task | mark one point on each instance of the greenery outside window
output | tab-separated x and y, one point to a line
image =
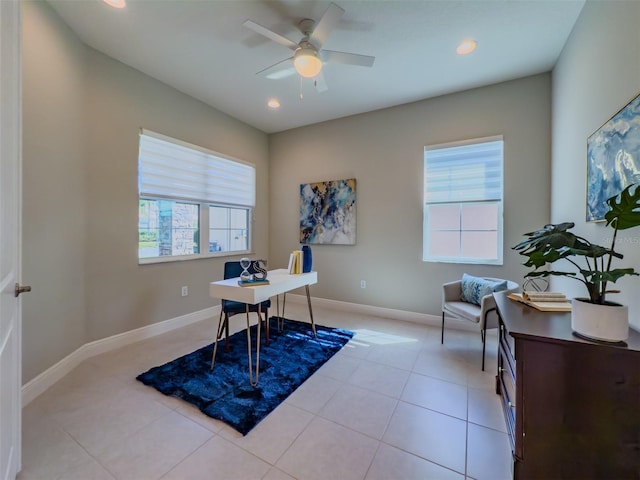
168	228
463	201
193	203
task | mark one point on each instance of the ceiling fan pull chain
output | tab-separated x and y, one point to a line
301	95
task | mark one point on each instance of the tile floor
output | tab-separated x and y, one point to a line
393	404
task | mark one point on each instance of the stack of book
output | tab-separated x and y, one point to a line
544	297
543	301
253	283
295	261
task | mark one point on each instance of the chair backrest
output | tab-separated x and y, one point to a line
511	286
233	269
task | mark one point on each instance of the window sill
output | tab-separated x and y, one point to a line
464	261
184	258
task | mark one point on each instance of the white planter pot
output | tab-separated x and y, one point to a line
609	323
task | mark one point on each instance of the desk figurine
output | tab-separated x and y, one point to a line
245	276
259	275
260	267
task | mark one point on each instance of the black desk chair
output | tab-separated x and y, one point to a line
231	308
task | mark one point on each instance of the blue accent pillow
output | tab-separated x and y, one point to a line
474	288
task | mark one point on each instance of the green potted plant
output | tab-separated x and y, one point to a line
594	317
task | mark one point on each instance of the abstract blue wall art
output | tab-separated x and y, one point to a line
328	212
613	159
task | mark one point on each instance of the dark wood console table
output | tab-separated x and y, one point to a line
572	407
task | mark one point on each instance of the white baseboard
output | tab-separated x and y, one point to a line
46	379
404	315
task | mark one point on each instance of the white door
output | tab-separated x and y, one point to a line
10	194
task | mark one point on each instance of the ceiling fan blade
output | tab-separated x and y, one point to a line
325	26
345	58
320	83
282	69
270	34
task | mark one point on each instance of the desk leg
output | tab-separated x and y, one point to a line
313	325
266	324
284	307
253	380
215	344
280	318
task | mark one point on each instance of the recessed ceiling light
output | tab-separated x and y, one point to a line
116	3
466	46
273	103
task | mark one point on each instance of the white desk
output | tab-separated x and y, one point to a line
280	282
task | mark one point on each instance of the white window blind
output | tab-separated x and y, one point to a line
174	169
463	197
464	173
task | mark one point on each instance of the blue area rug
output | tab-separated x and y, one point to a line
292	356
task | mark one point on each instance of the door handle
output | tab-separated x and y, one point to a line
21	289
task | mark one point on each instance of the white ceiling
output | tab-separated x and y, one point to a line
201	48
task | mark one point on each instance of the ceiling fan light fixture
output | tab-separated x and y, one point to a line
307	62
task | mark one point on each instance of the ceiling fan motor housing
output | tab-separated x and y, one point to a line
306	27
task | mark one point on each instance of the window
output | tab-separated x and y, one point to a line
228	229
463	202
167	228
193	203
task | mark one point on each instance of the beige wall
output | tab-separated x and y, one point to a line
121	294
597	74
383	150
54	190
82	115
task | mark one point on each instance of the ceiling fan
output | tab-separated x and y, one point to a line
309	56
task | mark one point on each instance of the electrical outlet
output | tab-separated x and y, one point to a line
185	291
363	284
